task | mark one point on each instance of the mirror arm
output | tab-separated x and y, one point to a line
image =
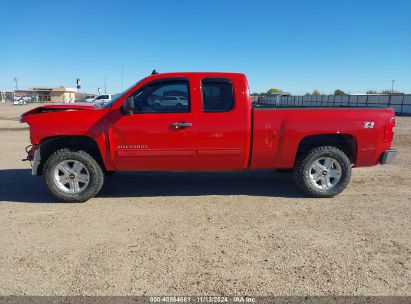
125	112
128	107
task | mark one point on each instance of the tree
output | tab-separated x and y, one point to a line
307	94
274	91
386	92
371	92
339	92
262	94
255	94
316	93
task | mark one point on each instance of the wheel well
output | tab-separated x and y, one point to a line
76	143
345	142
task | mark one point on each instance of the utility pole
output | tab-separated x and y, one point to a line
16	80
105	86
392	86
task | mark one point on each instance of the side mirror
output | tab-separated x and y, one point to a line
128	106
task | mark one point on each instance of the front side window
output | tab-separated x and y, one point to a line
218	95
163	97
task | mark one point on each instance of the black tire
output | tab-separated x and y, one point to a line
96	175
302	171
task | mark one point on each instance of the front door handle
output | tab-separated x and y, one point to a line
181	125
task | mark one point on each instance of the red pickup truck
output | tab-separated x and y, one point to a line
202	121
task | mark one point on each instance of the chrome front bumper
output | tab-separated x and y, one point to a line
36	162
388	156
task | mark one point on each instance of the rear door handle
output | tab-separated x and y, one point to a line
181	125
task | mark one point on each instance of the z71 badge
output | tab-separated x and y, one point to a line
368	125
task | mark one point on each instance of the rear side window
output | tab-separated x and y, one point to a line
218	95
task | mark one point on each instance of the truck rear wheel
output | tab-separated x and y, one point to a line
323	172
72	176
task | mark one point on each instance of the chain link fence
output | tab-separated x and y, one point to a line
401	103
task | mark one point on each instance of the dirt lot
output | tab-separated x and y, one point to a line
195	234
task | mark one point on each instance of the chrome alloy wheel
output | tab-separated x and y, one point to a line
71	176
325	173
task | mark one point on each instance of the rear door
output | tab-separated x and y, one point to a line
225	124
160	135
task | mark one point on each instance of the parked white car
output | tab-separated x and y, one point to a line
171	101
103	98
21	100
88	98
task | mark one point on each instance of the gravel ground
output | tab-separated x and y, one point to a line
204	233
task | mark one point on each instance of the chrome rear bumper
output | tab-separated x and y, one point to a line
388	156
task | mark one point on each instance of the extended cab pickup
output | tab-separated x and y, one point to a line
213	126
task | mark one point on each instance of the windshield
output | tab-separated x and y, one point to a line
116	97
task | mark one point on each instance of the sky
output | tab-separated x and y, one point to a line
297	46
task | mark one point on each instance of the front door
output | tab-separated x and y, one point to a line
161	134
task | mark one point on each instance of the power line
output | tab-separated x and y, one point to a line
122	76
16	80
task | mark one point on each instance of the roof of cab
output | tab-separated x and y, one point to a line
179	74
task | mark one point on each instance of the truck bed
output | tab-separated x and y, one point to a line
278	132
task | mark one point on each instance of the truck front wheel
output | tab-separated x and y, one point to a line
322	172
72	176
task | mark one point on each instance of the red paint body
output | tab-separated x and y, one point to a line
243	138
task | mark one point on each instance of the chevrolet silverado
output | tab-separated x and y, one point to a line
73	146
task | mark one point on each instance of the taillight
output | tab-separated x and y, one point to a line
389	130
